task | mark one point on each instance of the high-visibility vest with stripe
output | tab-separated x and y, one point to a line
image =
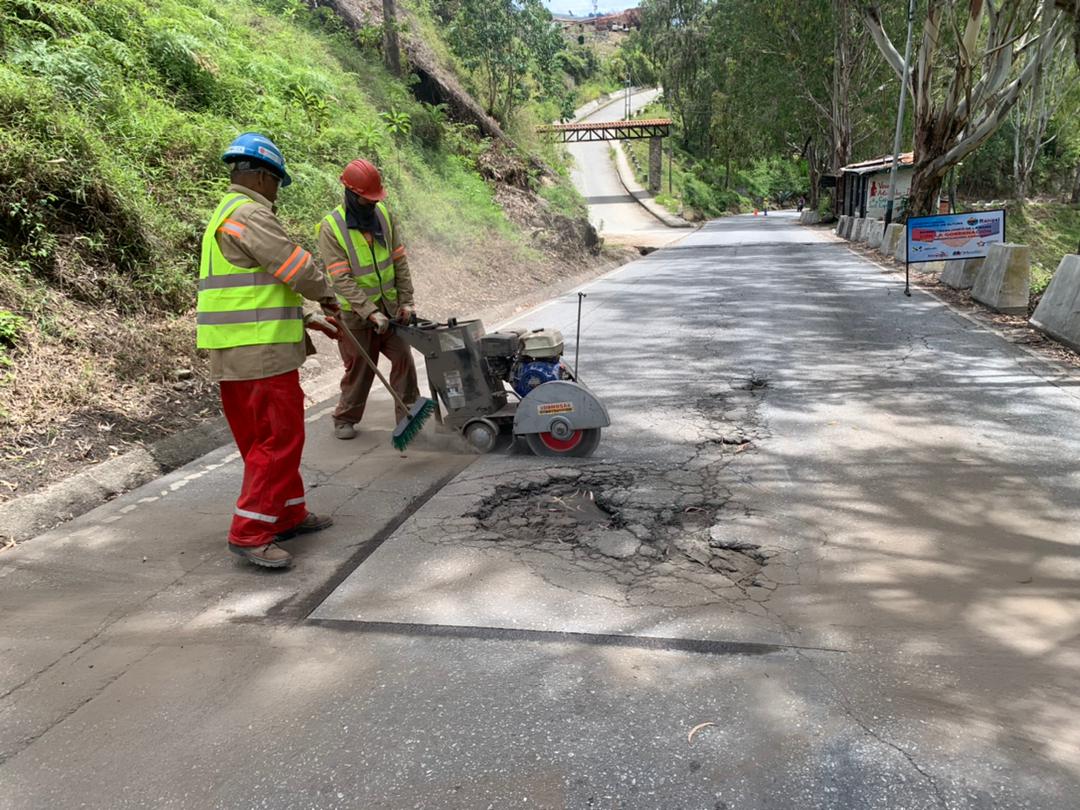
370	264
244	306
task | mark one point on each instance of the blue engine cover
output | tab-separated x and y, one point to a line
524	377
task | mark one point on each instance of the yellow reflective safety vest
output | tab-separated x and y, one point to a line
242	306
370	265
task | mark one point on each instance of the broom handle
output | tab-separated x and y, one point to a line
371	363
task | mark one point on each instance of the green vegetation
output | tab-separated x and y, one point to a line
524	71
1051	229
11	329
757	87
114	113
702	189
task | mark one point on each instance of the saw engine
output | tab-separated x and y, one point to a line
469	370
525	359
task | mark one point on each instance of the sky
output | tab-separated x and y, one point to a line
581	8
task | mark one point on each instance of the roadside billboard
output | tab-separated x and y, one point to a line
877	192
945	237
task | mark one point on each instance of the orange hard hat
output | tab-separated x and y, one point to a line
363	179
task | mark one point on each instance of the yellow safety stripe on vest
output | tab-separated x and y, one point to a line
350	247
226	209
249	316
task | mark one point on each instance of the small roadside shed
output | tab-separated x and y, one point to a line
863	188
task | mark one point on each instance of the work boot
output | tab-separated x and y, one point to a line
312	523
268	556
343	430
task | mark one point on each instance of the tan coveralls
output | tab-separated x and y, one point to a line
357	380
265	244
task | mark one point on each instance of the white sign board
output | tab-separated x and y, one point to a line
877	193
945	237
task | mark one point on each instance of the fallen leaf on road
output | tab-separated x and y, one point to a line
1024	581
746	446
696	729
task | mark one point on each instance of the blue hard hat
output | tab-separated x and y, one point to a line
253	146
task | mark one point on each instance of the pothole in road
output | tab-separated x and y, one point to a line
629	517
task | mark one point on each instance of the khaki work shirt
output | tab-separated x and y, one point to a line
344	282
261	241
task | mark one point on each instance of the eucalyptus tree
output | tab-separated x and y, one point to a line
1054	86
975	59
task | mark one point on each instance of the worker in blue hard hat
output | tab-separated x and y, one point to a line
253	280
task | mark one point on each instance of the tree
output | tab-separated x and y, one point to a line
676	34
962	78
391	48
1031	118
1072	9
503	42
836	104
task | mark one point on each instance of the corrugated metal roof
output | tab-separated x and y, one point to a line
876	164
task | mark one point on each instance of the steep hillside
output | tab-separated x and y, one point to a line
113	115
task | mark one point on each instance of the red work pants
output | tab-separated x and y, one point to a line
356	382
267	420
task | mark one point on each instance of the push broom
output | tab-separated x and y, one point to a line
415	417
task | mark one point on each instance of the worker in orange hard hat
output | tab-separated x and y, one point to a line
362	250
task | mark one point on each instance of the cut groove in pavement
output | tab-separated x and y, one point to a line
298	608
703	646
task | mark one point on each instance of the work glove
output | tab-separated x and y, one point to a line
404	313
380	322
328	326
330	306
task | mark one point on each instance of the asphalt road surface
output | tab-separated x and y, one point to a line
614	213
826	557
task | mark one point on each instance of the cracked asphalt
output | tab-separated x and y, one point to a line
831	528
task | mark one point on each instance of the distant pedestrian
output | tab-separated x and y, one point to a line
252	282
802	204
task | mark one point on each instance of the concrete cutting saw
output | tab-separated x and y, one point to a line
515	382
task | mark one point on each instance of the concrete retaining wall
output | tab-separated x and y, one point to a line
1004	282
961	274
841	224
858	229
877	231
900	251
893	234
1058	313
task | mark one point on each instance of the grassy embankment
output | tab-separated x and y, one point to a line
1051	229
113	116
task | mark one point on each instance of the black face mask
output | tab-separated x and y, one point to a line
360	215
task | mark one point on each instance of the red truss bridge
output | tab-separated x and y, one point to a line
609	130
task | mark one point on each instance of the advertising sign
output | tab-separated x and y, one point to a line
954	236
877	193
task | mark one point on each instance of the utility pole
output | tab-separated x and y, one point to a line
626	98
900	115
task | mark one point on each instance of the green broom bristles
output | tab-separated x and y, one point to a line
408	428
